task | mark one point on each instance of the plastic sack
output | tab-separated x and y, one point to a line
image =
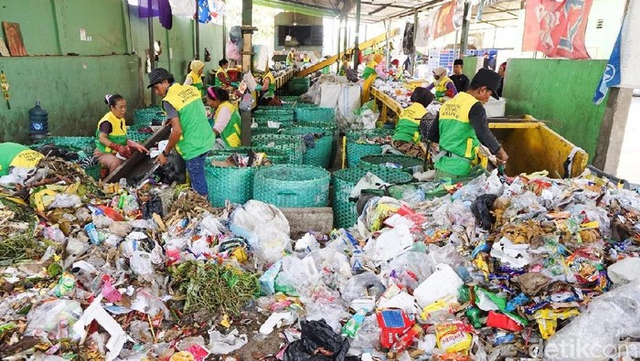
362	286
442	283
55	318
317	334
595	333
389	244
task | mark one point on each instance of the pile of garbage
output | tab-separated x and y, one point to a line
527	267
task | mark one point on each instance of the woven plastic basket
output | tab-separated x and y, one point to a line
344	209
408	164
292	186
306	114
273	111
320	153
138	136
276	156
356	149
285	120
299	86
85	144
292	144
234	184
148	116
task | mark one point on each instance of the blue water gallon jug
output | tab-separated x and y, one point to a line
38	120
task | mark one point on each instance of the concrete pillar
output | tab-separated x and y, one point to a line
609	147
464	38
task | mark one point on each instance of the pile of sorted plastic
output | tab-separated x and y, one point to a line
499	267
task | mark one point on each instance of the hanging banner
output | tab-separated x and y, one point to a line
611	76
440	22
557	28
217	10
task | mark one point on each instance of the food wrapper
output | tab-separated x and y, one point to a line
454	337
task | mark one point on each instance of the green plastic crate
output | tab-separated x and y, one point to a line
276	156
299	86
292	186
234	184
320	154
356	149
290	143
344	209
285	120
310	114
147	116
408	164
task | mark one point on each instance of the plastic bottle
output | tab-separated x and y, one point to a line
357	261
92	232
405	341
352	326
65	285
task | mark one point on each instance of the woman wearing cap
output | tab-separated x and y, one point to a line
222	77
194	78
268	86
461	127
445	89
227	121
407	138
111	135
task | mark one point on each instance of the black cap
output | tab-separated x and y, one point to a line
488	78
458	62
157	76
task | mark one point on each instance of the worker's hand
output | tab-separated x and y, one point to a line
502	156
161	159
140	148
125	151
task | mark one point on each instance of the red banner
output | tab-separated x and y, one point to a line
557	28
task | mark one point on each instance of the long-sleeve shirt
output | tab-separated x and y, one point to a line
451	89
461	82
478	120
222	119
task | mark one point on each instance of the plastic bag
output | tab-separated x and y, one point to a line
317	334
442	283
54	317
368	336
223	345
66	201
306	244
362	286
410	266
390	244
481	209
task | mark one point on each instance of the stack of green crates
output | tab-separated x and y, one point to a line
145	117
315	113
344	209
299	86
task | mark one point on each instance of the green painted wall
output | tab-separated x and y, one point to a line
559	92
72	88
470	63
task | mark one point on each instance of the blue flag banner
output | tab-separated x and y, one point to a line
611	76
204	15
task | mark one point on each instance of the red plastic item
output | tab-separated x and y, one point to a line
394	322
111	213
407	339
504	322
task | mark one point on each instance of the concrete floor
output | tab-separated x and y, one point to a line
629	167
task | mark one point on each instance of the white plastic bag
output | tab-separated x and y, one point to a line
442	283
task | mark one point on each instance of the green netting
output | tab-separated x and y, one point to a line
273	111
320	153
138	137
147	116
292	186
357	148
85	144
234	184
289	98
408	164
324	114
305	105
344	209
284	120
290	143
264	130
276	156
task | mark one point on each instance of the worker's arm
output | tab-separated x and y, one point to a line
451	90
430	86
223	79
221	120
188	81
176	131
478	120
105	130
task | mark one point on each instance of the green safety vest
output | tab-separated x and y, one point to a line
17	155
217	81
271	91
197	136
231	133
408	128
457	136
441	87
369	70
118	133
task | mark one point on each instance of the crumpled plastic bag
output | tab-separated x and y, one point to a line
50	315
389	244
595	333
481	209
417	266
315	335
362	286
225	344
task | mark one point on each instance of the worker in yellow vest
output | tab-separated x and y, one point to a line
407	138
112	145
14	155
194	78
461	127
226	119
191	134
222	77
445	88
